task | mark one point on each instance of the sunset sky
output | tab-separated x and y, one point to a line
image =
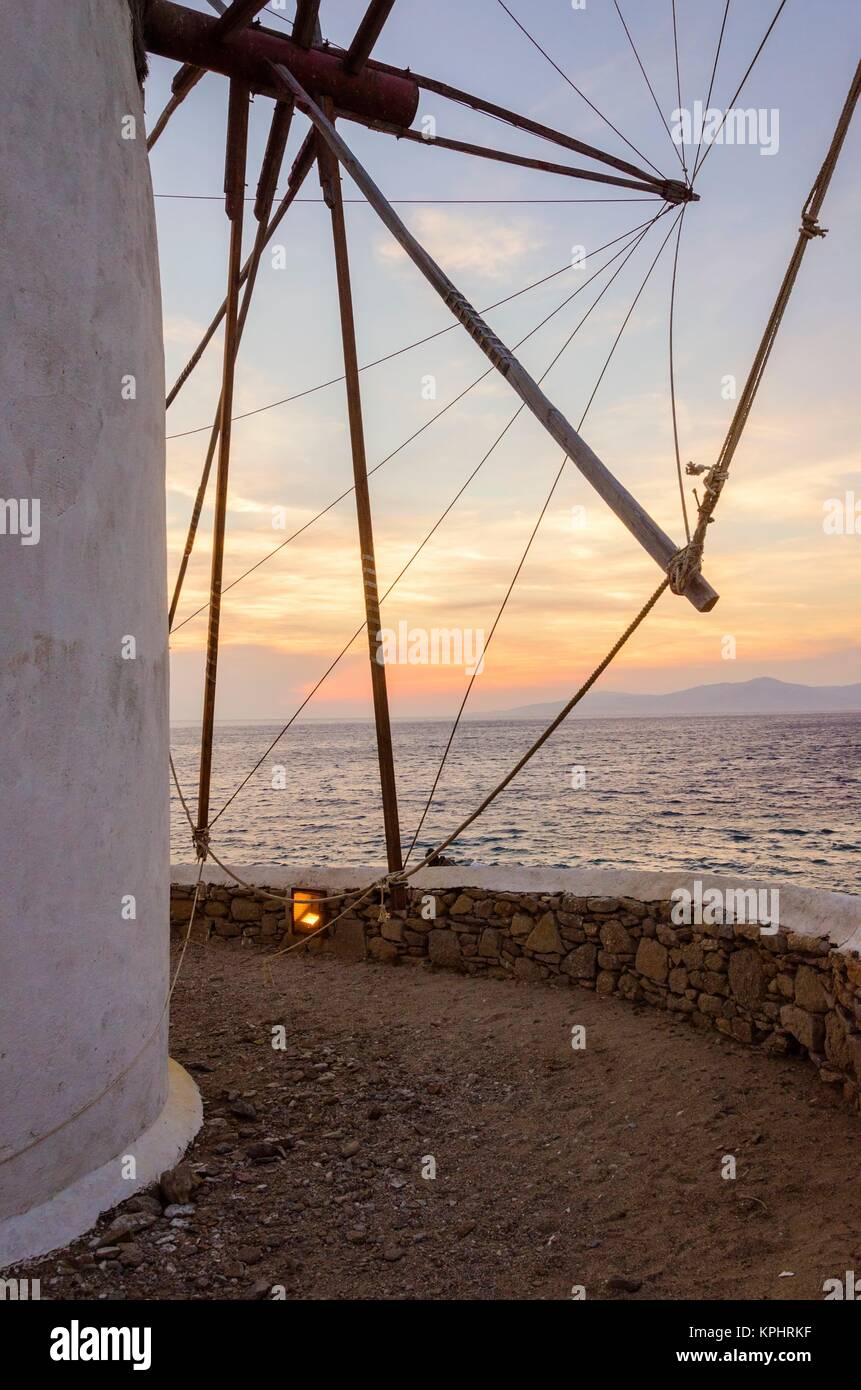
789	591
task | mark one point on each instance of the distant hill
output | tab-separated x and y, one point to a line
761	696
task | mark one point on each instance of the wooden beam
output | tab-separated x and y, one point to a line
367	34
234	187
235	16
231	20
330	177
306	26
273	158
174	31
521	160
176	100
513	118
653	539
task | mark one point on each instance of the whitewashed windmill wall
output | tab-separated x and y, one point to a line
85	1083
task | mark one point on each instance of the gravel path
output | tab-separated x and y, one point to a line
555	1167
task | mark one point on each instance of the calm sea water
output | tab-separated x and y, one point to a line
776	796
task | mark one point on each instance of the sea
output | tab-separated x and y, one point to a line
777	796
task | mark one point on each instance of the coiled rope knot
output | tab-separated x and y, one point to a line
684	565
810	227
688	560
200	839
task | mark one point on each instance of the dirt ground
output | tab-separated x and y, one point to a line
597	1167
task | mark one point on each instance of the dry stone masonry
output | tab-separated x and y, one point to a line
793	989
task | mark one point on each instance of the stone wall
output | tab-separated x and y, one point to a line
795	988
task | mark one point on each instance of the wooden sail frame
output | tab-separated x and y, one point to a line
277	68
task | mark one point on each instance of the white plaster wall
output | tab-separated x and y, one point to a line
83	810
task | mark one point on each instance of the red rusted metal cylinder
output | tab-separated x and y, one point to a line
187	36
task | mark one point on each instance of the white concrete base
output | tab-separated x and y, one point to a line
75	1210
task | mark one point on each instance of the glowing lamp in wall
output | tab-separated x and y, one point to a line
309	910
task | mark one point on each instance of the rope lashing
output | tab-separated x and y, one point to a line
688	560
685	563
810	227
200	839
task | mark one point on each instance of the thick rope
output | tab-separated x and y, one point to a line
390	879
688	560
542	739
203	847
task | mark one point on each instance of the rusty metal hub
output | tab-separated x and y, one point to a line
171	31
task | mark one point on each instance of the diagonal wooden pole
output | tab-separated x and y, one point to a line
236	15
654	540
234	187
367	34
672	188
189	79
270	169
330	178
522	161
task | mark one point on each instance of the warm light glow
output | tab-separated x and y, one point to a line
306	917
